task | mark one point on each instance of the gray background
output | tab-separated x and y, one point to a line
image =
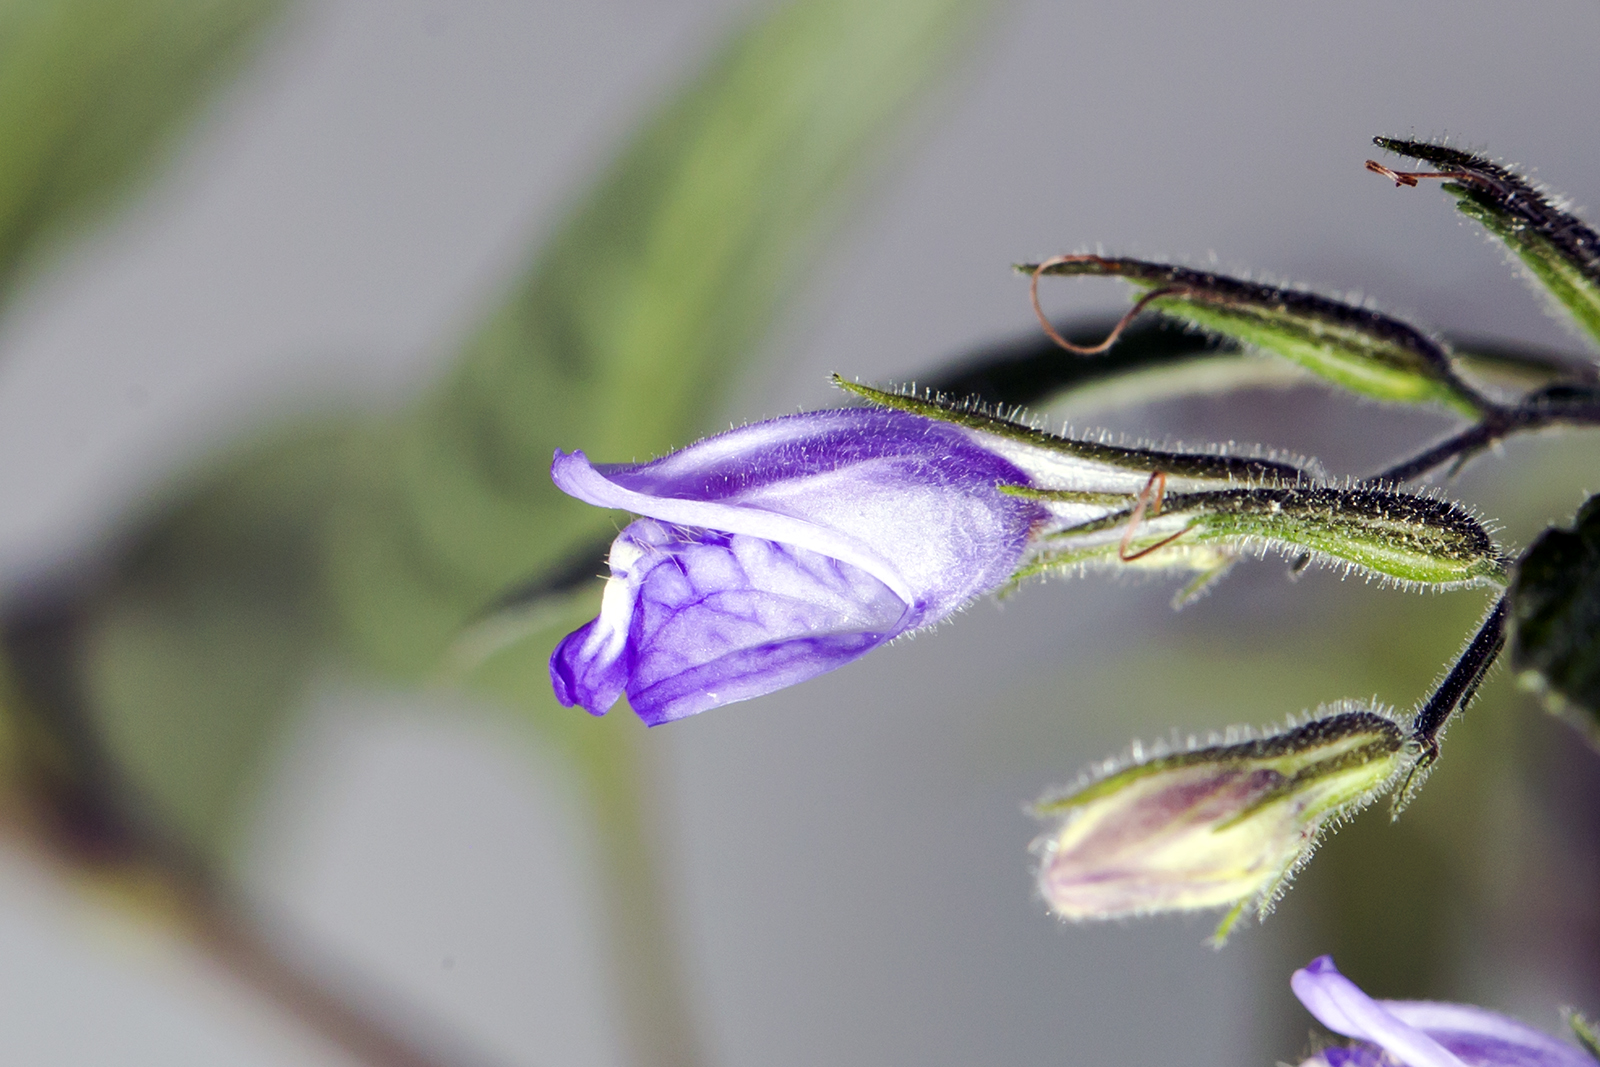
847	856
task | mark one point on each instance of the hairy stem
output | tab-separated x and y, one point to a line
1498	424
1461	684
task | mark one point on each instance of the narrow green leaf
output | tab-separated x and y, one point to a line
1560	253
1220	468
1555	616
90	90
1353	347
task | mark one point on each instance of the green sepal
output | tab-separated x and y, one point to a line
1558	250
1353	347
1409	539
1204	466
1584	1031
1326	745
1555	619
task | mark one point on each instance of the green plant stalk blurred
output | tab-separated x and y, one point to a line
371	542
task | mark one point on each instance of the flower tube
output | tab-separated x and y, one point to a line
775	552
1417	1033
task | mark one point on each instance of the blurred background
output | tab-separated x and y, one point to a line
331	225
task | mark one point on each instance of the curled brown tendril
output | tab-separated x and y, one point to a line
1151	496
1411	177
1116	331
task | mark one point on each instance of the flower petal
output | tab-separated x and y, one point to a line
775	552
589	666
1341	1006
1483	1038
695	619
576	476
726	617
911	501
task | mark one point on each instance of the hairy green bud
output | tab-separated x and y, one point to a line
1219	826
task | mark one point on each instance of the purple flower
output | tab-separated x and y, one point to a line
1417	1033
775	552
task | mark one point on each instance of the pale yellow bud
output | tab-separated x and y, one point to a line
1223	826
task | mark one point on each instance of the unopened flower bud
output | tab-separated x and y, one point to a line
1221	826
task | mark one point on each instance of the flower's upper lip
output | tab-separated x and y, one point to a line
1414	1031
1341	1006
574	475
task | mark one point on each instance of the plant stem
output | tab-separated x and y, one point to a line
1460	685
1497	424
657	1022
230	937
65	808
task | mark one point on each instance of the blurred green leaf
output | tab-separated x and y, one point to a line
383	538
90	90
1353	347
199	649
624	335
1559	251
386	536
1555	614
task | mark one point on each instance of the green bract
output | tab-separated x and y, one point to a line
1559	251
1409	539
1353	347
1201	510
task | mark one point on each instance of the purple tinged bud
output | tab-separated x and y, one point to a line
1417	1033
1223	826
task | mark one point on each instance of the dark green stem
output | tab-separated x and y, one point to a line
1497	424
1461	684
